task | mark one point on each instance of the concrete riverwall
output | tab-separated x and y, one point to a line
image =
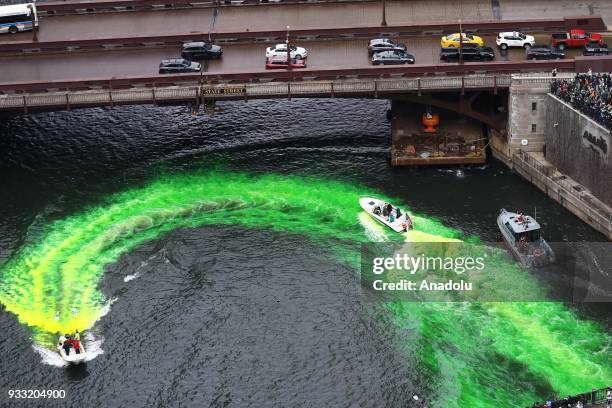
563	189
579	147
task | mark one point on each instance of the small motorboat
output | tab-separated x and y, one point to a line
72	357
523	235
378	209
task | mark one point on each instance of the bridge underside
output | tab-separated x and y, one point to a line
484	106
446	127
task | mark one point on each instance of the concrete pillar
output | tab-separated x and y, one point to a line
527	112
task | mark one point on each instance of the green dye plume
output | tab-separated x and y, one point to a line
467	354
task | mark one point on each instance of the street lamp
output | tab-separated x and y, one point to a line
33	19
384	13
460	43
288	49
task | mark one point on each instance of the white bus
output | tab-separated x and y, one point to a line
17	18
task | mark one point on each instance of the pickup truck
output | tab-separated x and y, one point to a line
574	39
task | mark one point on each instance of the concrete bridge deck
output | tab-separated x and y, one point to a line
335	54
309	15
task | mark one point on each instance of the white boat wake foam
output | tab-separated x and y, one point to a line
92	342
374	231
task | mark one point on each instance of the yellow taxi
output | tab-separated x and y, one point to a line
452	40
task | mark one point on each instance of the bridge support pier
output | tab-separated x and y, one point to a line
527	114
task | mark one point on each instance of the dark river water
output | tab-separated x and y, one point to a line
224	314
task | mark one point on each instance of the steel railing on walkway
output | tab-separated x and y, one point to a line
445	76
98	6
194	92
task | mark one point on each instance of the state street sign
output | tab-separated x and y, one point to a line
230	90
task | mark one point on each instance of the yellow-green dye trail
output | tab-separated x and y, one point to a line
468	354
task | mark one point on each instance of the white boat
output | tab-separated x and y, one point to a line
375	208
523	235
73	357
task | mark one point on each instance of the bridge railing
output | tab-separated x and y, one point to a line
97	6
538	79
196	92
441	76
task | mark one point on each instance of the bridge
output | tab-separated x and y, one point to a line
115	60
52	70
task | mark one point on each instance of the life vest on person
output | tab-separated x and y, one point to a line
523	243
407	222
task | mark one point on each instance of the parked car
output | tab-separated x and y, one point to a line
574	39
280	62
544	52
384	44
596	48
177	65
392	58
470	53
452	40
201	50
280	50
514	39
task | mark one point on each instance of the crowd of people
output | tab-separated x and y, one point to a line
576	401
589	93
391	214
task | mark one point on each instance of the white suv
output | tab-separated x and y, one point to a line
280	50
514	39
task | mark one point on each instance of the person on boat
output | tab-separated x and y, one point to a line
408	221
63	339
385	210
523	244
76	345
67	344
389	208
391	217
376	210
398	213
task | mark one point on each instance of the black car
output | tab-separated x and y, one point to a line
596	48
471	52
544	52
178	65
385	44
392	58
201	50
